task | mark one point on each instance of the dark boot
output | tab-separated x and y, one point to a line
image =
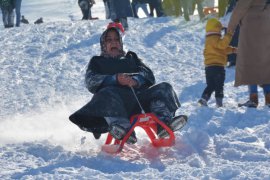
252	102
202	102
254	98
132	138
118	132
267	99
175	124
219	102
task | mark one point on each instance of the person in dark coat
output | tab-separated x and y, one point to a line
119	11
113	78
7	8
107	9
85	6
136	4
156	5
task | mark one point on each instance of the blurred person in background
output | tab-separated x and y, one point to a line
17	5
222	5
119	11
7	8
86	6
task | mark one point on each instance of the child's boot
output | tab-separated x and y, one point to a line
219	102
267	99
202	102
204	99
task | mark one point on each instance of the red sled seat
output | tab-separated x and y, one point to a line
148	122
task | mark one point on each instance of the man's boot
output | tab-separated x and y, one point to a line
267	99
254	98
252	102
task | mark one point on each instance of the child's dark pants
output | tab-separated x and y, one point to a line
215	77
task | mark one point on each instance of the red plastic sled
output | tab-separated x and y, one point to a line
149	123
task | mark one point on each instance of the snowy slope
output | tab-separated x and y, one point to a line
41	84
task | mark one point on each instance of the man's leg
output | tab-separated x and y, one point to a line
18	12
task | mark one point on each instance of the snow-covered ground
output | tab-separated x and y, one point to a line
42	83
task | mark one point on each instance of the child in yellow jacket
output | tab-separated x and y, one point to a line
215	59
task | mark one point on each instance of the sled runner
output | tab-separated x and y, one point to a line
148	122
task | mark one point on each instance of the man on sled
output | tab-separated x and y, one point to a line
113	78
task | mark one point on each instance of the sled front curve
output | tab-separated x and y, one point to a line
148	122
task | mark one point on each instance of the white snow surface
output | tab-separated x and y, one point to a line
42	83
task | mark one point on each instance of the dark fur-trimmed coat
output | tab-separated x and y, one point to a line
116	100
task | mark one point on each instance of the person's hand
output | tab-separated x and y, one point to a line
126	80
230	32
234	50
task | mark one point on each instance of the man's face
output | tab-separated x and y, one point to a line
113	46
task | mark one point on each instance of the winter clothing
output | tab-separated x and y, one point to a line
213	25
107	9
7	7
253	101
215	77
267	99
85	6
234	41
119	11
117	101
17	4
118	26
253	89
6	3
155	5
216	49
253	65
113	104
254	98
135	4
215	58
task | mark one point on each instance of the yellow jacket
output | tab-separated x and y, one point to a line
216	49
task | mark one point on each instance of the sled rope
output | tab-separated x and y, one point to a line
137	100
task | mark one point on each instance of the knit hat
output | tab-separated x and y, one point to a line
118	26
213	25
